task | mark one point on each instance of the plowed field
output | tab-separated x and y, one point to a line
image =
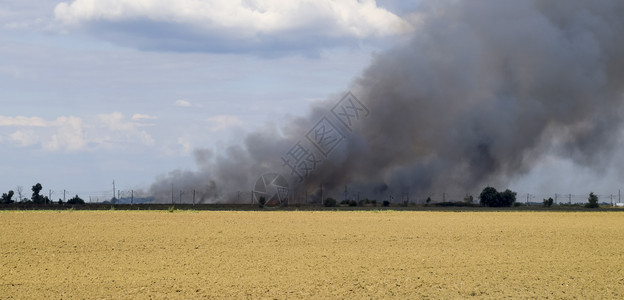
366	254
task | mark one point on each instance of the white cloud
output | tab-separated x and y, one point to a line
225	25
73	134
139	117
182	103
24	137
224	121
24	121
69	135
122	130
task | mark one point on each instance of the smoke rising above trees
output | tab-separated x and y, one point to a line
476	96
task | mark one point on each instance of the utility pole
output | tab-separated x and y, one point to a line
611	199
64	191
555	197
180	198
527	202
49	195
132	197
570	199
113	188
193	197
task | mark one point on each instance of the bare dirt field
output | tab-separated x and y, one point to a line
365	254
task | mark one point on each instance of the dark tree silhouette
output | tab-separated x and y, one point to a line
75	200
592	201
492	198
6	198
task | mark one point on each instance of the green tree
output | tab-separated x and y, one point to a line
36	198
492	198
592	201
489	197
329	202
6	198
75	200
507	198
548	202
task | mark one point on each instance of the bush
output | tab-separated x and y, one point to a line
548	202
261	202
329	202
386	203
75	200
352	203
373	202
592	201
344	202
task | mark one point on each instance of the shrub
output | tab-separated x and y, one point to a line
329	202
548	202
386	203
261	201
352	203
75	200
373	202
344	202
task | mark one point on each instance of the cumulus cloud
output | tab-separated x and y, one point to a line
23	121
24	138
123	131
69	135
222	122
140	117
182	103
231	26
73	133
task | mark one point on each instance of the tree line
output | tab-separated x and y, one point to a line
36	197
490	197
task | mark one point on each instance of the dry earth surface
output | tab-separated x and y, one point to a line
365	254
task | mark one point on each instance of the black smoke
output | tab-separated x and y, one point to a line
477	95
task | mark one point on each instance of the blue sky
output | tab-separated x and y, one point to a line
94	91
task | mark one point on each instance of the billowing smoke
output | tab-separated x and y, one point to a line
476	96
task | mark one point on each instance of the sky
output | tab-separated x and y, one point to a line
95	91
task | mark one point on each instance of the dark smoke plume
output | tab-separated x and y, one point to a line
476	96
